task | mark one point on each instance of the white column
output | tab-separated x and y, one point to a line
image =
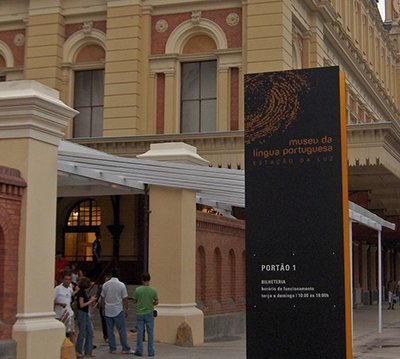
32	121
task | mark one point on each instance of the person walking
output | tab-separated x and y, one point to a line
146	298
115	302
85	335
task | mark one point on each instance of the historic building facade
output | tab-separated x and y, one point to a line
151	71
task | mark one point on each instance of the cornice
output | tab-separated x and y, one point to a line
213	223
207	144
384	135
32	110
161	7
353	57
11	183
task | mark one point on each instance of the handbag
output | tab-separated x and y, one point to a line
64	316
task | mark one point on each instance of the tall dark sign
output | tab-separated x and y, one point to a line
298	285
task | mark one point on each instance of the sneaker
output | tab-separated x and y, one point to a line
151	355
138	354
129	352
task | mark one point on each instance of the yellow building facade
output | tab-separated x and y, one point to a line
153	71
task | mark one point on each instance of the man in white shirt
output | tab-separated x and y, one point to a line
62	304
115	302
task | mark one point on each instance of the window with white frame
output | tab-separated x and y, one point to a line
82	224
199	96
89	101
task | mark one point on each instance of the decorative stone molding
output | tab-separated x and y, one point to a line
181	33
6	52
87	27
177	152
196	17
161	25
19	39
33	110
11	183
220	224
222	149
36	321
75	42
232	19
353	55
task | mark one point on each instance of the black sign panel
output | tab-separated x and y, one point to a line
296	216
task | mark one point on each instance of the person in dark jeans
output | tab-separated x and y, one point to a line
85	336
101	310
114	298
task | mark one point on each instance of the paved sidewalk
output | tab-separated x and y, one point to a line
368	343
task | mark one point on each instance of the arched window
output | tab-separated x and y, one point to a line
2	67
201	275
83	62
218	273
232	267
6	59
199	87
89	92
199	96
82	224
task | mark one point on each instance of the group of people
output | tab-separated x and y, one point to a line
113	299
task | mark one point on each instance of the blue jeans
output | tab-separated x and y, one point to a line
119	322
85	333
141	321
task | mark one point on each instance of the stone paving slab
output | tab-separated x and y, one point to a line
368	343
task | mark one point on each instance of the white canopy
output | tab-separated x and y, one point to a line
84	171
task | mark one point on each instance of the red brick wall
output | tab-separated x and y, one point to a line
17	51
220	264
234	99
11	190
233	33
71	29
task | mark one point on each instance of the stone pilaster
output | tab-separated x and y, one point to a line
123	73
44	43
32	122
316	41
172	234
267	35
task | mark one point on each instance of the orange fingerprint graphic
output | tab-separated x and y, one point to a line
273	102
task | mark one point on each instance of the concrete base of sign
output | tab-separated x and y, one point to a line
8	349
224	325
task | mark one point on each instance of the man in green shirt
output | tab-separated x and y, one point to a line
146	298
